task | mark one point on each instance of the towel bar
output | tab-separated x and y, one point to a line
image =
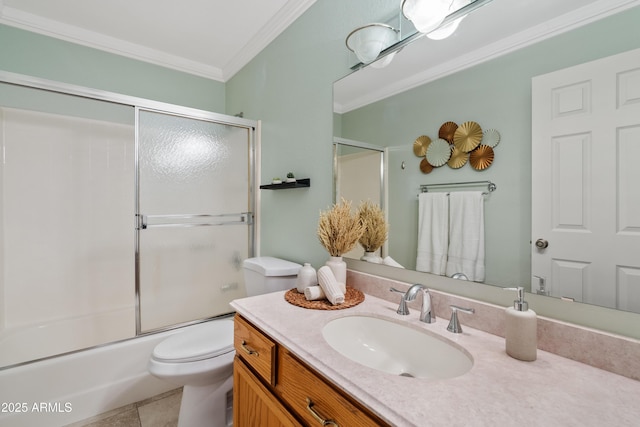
424	188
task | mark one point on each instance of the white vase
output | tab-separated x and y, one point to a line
338	267
371	257
307	276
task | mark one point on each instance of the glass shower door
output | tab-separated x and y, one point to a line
66	242
194	217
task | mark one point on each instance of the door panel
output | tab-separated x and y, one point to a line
571	164
628	206
179	154
585	197
194	217
190	273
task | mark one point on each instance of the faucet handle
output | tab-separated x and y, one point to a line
402	308
454	323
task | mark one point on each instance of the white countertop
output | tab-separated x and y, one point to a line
497	391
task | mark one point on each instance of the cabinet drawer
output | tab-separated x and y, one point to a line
255	348
314	400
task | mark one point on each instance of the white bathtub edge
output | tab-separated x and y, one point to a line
66	389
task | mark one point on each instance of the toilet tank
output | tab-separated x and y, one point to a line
268	274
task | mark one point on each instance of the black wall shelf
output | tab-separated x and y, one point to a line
300	183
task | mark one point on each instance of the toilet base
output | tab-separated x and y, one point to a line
205	406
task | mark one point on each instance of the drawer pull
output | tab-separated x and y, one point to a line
323	421
248	350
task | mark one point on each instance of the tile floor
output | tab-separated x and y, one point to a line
158	411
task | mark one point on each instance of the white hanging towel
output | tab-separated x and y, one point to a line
466	235
433	232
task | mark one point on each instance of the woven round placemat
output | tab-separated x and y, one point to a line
351	298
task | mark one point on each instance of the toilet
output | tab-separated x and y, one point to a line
201	358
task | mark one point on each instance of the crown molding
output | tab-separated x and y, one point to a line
30	22
556	26
27	21
291	11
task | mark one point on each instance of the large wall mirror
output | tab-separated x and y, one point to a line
483	73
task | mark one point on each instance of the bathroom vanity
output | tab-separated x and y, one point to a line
282	359
272	387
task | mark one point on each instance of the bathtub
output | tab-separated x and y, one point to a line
69	388
33	342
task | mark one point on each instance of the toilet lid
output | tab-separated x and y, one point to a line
270	266
199	342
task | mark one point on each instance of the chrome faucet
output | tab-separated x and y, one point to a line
402	308
426	313
454	323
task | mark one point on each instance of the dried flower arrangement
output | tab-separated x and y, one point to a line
375	227
339	229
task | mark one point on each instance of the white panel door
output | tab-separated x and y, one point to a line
585	191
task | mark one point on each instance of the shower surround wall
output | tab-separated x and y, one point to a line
68	242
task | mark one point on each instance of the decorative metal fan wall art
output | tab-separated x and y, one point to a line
481	158
456	146
420	145
425	166
491	137
468	136
438	153
447	131
458	158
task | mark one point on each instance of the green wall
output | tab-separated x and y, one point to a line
289	87
36	55
496	94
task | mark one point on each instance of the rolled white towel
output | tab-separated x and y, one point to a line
314	293
329	285
391	262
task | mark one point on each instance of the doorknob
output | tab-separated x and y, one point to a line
542	244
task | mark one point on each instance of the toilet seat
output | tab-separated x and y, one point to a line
205	341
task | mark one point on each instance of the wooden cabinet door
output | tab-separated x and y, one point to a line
253	404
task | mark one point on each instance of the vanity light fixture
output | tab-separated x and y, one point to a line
426	15
369	40
449	28
445	31
383	62
436	19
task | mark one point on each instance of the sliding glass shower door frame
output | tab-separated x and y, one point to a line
195	219
20	80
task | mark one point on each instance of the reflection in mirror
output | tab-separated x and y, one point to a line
373	105
400	26
359	177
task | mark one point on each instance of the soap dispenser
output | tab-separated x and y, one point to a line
521	329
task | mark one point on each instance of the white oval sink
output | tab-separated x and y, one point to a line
395	348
